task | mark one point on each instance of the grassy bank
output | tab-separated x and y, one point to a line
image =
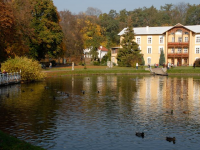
8	142
184	70
95	70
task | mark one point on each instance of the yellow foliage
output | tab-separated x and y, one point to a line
91	30
30	69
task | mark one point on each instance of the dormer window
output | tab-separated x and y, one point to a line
179	32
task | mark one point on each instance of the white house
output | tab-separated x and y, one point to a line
101	52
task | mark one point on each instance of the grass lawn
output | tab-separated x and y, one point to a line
184	70
79	70
8	142
94	70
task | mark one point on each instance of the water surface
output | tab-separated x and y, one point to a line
104	112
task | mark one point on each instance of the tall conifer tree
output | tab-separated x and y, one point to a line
129	55
162	58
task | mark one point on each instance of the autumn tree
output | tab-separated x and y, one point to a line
72	26
129	55
111	27
47	32
93	11
180	12
22	10
6	29
93	37
193	15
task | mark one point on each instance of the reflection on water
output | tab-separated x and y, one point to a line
57	114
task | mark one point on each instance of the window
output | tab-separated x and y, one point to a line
186	39
173	39
179	32
173	50
185	50
138	40
179	39
161	39
149	50
197	50
179	50
161	48
149	40
149	60
197	39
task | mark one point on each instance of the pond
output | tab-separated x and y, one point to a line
104	112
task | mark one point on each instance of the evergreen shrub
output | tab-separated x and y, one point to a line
96	63
104	60
30	69
197	62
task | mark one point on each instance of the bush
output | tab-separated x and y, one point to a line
30	69
104	59
96	63
197	62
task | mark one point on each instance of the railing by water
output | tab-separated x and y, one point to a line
10	78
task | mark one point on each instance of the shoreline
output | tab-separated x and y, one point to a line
49	75
103	70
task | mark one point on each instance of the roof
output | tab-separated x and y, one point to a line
194	28
102	48
158	30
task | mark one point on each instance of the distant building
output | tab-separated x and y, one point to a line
180	44
114	51
101	52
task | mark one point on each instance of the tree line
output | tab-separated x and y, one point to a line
29	28
34	28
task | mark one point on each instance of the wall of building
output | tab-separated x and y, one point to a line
193	45
155	47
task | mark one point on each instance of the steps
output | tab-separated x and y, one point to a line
159	71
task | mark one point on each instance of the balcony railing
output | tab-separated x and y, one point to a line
178	55
178	44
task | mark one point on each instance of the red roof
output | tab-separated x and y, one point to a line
102	48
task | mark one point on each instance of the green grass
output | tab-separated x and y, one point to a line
94	71
184	70
8	142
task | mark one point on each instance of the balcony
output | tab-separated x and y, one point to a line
178	55
178	44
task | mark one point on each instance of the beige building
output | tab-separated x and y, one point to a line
180	44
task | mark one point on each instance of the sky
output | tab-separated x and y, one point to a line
76	6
